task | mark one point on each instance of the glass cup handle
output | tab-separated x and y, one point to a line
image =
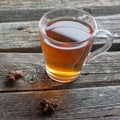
109	40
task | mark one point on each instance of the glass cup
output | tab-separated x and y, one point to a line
66	37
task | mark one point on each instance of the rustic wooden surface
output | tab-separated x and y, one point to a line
95	95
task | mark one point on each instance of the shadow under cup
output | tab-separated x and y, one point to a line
66	37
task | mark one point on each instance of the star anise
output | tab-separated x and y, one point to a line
47	107
12	76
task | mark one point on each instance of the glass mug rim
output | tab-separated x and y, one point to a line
52	41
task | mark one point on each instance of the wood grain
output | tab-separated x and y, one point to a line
100	103
103	71
24	36
45	4
11	11
33	15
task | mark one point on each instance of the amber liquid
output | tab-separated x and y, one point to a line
66	48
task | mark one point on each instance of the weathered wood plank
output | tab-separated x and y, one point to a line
24	36
32	10
45	4
103	71
101	103
33	15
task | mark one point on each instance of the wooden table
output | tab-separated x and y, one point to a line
95	95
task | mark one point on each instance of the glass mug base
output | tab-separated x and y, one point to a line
62	77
